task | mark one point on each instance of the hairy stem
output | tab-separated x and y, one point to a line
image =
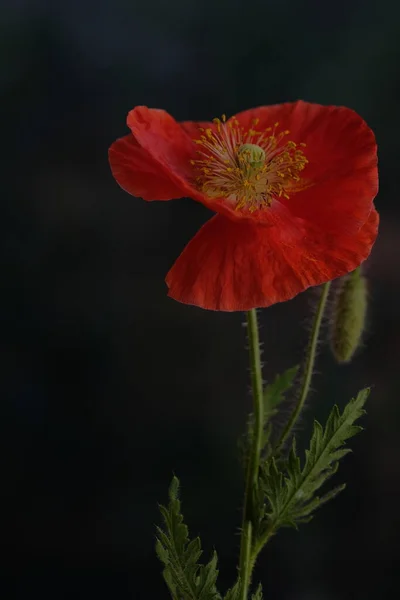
308	367
245	565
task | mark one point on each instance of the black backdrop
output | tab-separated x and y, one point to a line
108	386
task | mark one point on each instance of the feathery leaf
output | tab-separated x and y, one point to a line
258	594
274	393
184	576
289	489
273	396
234	592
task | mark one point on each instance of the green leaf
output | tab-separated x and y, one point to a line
258	595
273	396
184	576
274	393
290	488
233	593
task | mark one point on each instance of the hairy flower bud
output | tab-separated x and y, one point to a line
348	316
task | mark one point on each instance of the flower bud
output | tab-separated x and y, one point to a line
348	316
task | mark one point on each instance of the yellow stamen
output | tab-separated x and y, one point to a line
248	168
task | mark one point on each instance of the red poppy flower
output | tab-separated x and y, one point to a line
292	185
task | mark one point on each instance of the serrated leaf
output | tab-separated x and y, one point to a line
274	393
184	576
290	489
234	592
258	595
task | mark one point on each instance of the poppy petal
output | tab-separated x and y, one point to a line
192	128
341	177
138	173
170	145
231	265
164	139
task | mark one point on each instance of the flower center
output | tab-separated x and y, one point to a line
249	168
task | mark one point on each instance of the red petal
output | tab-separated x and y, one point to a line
192	128
238	265
164	139
341	179
168	144
138	173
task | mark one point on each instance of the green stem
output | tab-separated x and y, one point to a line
308	368
245	566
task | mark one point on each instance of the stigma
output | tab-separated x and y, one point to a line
250	169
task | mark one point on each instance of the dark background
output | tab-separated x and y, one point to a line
108	386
